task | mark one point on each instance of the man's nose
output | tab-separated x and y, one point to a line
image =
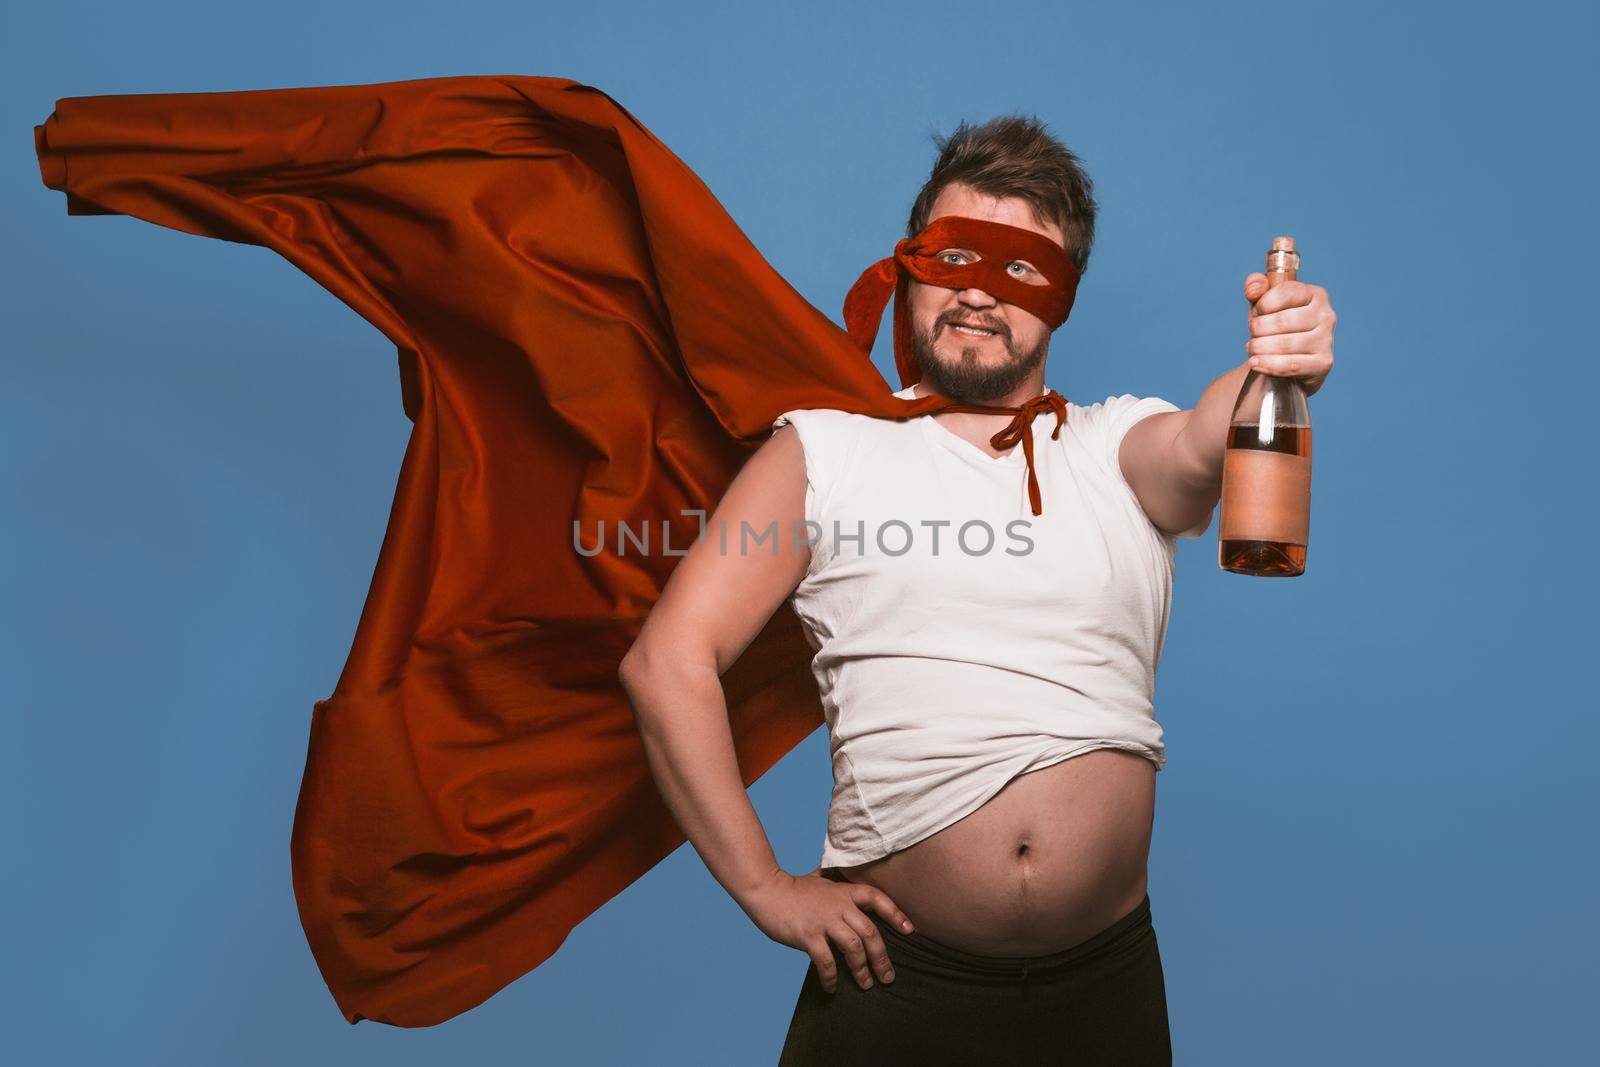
976	298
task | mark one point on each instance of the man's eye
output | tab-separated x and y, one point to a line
952	257
1022	268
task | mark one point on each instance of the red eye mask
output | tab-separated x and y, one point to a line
996	245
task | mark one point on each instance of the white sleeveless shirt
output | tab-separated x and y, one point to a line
960	639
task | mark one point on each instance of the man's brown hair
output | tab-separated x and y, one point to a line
1015	155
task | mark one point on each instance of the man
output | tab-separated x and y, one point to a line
995	753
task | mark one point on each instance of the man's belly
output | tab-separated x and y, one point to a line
1056	856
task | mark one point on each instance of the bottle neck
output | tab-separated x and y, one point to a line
1281	266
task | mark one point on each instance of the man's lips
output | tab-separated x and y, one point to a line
972	329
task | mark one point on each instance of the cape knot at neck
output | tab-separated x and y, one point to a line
1020	428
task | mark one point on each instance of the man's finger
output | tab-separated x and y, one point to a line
1284	295
854	949
822	958
1254	285
877	951
1283	344
879	902
1290	320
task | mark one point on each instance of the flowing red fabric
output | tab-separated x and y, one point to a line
584	337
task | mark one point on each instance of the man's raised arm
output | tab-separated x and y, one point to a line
1173	459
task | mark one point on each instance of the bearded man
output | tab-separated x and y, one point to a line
987	668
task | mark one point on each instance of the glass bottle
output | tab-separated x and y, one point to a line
1265	512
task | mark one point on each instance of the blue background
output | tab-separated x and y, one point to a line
1370	840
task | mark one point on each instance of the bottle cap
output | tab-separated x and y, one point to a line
1283	244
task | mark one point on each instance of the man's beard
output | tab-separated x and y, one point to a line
970	379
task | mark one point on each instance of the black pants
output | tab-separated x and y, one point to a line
1100	1002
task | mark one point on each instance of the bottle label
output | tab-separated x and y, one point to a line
1266	496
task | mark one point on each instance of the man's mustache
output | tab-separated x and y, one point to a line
977	324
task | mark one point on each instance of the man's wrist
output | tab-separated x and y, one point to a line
750	886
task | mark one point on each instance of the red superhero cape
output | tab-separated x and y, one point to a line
584	335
